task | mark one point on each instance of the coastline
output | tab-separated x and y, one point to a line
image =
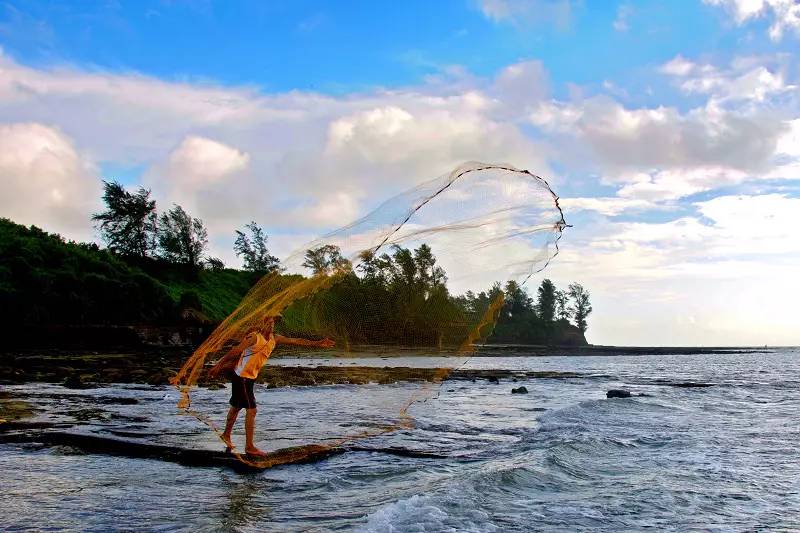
155	365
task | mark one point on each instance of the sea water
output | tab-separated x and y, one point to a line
561	458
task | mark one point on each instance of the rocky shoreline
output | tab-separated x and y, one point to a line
157	365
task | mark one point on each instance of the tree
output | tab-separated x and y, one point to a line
214	263
128	225
182	238
562	312
517	300
429	275
546	302
253	250
581	307
324	259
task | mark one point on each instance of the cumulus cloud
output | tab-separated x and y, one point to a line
676	183
232	154
744	79
198	159
522	85
665	137
783	14
45	181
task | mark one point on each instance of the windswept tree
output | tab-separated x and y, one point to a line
182	238
129	223
546	301
324	259
562	301
581	307
253	250
214	263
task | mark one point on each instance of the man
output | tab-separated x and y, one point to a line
246	361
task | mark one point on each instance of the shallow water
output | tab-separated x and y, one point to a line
561	458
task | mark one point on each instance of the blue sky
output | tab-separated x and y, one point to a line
671	130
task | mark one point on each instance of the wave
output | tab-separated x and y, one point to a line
423	513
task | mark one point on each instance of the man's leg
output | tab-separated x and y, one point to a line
249	431
233	413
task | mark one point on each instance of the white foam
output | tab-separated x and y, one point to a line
420	514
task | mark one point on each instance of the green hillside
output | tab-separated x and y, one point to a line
46	280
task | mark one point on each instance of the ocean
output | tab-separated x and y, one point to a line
563	457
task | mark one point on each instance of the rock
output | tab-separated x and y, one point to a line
519	390
493	379
77	381
618	393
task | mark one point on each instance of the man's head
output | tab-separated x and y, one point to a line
268	324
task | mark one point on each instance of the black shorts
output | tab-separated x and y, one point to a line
242	392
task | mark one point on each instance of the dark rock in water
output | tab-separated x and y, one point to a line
77	381
519	390
691	385
493	379
618	393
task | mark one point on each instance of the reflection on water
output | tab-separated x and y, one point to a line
242	509
561	458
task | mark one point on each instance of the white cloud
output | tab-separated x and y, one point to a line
526	12
624	12
676	183
743	80
609	206
45	181
789	142
627	139
198	159
783	14
284	152
522	85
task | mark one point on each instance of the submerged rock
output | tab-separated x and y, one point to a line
493	379
77	381
618	393
519	390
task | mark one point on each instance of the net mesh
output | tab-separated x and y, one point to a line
392	280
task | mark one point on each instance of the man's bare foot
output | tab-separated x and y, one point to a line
227	440
255	452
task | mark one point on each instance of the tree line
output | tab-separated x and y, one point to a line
401	297
130	226
398	296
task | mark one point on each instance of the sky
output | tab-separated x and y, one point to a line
670	130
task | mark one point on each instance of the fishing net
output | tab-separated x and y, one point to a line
394	280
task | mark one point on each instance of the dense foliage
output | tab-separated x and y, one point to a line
401	298
46	280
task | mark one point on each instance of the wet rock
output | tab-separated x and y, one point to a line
493	379
116	401
519	390
618	393
77	381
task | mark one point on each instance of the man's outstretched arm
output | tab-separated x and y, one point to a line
324	343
